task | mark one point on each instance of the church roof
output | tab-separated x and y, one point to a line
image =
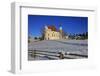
53	28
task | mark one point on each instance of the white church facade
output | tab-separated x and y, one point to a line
51	33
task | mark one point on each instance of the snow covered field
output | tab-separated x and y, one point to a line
68	46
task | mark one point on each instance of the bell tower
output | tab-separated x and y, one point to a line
61	31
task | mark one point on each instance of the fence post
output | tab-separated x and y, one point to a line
61	54
34	53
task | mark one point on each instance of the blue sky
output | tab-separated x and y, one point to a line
70	24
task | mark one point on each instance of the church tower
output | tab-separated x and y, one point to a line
61	32
46	27
60	28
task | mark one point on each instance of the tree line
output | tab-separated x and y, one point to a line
80	36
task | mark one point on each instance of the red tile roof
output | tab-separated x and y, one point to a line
53	28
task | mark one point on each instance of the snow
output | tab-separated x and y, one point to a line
67	46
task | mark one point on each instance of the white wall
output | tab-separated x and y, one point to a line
5	33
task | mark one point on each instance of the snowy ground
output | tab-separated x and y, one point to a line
71	46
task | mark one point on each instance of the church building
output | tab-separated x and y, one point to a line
51	33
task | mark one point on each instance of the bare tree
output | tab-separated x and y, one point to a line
42	33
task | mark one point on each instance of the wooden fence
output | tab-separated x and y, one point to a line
55	55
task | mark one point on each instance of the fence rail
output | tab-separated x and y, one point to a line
55	55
